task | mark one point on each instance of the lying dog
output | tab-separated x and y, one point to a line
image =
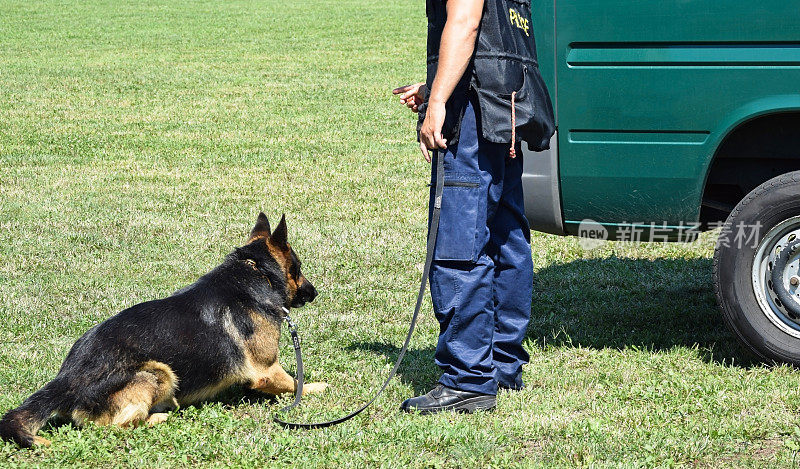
152	357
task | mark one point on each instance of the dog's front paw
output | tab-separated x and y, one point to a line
314	388
155	419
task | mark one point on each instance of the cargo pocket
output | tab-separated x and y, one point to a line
496	109
458	226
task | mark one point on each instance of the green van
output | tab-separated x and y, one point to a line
676	116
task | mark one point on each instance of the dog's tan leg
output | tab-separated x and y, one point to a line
39	441
168	405
153	385
155	419
277	381
314	388
160	412
130	405
165	385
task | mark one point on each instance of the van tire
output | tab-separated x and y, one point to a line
774	205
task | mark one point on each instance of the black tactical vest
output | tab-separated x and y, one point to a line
504	62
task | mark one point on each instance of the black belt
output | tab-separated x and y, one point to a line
433	230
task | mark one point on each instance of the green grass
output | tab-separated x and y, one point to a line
139	139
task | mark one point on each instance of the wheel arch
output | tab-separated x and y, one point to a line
742	123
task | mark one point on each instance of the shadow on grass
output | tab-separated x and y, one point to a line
237	395
616	303
417	370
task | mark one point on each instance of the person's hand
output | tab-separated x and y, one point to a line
412	95
430	134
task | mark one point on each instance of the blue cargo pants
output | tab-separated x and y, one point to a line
482	275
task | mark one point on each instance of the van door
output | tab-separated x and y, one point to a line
645	89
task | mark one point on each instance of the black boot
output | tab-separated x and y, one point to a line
442	398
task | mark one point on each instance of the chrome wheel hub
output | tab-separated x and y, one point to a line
778	237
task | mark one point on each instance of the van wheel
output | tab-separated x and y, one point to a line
753	243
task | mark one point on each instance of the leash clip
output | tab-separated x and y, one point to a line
292	329
287	318
289	322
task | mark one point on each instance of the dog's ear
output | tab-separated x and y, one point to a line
261	230
279	236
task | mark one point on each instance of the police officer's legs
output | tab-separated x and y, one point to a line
479	227
462	274
510	250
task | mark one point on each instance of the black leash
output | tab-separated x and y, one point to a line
432	232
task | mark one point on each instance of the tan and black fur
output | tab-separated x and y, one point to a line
150	358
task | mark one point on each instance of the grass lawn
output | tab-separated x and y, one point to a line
138	141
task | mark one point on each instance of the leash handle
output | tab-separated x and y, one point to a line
433	231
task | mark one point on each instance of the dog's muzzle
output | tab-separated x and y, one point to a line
305	294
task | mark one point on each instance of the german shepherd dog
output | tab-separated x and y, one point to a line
150	358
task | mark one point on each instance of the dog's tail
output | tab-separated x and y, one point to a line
21	425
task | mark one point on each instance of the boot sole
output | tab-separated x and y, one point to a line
467	406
